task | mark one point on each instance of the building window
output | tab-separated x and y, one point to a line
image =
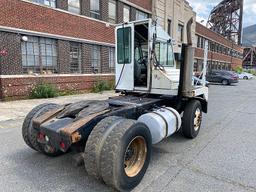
202	43
95	58
74	6
180	32
195	65
39	55
112	59
112	11
198	41
30	55
48	53
209	45
169	26
75	58
51	3
126	11
141	15
95	9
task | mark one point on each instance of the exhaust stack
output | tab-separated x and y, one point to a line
187	64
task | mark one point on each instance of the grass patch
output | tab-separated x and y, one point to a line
101	86
240	70
44	91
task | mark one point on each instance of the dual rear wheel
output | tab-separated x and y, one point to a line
118	152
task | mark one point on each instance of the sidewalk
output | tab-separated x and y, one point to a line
14	110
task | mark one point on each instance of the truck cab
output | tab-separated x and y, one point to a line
145	60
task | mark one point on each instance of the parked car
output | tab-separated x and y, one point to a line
221	76
245	75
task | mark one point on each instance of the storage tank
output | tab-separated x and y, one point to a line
162	123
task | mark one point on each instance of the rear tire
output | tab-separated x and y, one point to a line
30	134
125	155
192	118
245	78
94	145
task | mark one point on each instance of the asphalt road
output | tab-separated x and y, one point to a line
221	158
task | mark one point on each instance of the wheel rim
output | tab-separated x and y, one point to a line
225	82
197	119
135	156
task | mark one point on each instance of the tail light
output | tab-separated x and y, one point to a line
62	146
234	77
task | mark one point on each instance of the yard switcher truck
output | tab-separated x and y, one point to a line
115	136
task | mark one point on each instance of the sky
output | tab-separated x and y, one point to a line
203	9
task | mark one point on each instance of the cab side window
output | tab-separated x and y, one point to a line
164	54
170	56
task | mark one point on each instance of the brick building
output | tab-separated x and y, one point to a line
222	53
173	16
70	43
66	42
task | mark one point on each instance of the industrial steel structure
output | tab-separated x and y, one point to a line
249	60
226	19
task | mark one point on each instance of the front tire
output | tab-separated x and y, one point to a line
192	118
245	78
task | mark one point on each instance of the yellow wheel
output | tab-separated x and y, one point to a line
135	156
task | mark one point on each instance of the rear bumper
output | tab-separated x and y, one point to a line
233	80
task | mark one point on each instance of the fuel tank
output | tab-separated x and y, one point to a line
162	123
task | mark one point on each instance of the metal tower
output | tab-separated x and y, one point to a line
226	19
249	60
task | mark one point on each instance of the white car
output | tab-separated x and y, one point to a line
245	75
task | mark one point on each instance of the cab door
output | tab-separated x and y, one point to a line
125	57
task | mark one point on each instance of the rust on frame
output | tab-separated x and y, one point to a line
75	137
71	128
